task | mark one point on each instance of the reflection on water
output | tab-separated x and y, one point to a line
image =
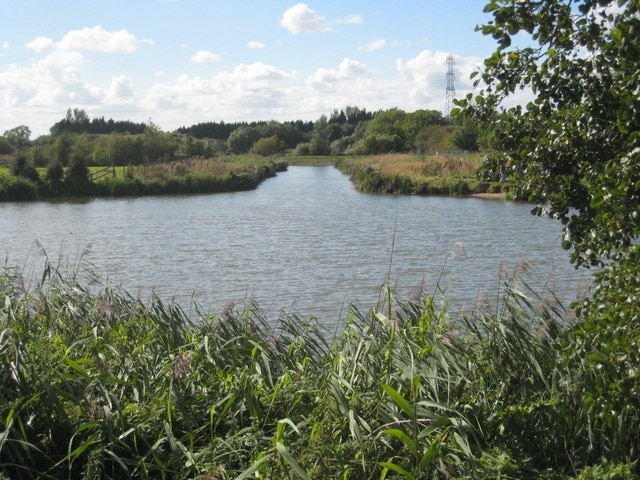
304	241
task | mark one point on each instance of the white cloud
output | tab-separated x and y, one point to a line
120	89
247	86
325	78
373	45
203	56
100	40
5	45
39	43
353	19
300	18
256	45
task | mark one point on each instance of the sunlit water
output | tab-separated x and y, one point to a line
304	241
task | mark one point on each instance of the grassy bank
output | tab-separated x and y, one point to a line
194	175
441	174
95	384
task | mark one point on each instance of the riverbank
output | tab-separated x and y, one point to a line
411	174
398	174
188	176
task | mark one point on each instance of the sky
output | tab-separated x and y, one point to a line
181	62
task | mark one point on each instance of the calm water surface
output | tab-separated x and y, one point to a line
304	241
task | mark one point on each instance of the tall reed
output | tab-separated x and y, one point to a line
95	383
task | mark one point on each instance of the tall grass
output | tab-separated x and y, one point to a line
442	174
96	384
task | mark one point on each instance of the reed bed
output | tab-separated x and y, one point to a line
420	167
96	384
193	175
441	174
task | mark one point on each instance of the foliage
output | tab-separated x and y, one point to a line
575	148
17	188
18	137
267	146
77	121
577	141
22	168
95	383
413	174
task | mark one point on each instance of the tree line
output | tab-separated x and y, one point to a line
351	130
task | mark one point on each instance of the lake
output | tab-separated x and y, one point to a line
304	241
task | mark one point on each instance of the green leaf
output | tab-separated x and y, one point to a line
287	457
406	439
395	468
399	400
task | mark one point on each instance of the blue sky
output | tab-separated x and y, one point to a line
181	62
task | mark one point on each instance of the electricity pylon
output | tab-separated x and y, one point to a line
451	90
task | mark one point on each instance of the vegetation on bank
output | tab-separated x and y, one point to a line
192	175
95	384
441	174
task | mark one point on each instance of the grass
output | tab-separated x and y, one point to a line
441	174
96	384
193	175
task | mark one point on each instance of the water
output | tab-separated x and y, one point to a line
305	242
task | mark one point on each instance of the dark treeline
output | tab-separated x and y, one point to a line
221	130
77	121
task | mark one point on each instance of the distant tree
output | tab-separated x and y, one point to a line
390	124
75	121
157	145
18	137
39	155
290	135
81	148
465	136
54	176
61	147
192	147
122	149
21	167
416	121
5	146
268	146
432	139
319	144
76	179
242	139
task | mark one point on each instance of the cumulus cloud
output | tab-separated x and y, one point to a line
245	86
203	56
100	40
300	18
373	45
256	45
121	88
325	78
39	44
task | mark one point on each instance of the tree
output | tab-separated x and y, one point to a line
577	146
22	168
241	139
390	124
466	136
319	144
578	140
268	146
18	137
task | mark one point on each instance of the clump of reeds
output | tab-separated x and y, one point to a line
96	384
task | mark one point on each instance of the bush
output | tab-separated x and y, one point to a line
17	189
